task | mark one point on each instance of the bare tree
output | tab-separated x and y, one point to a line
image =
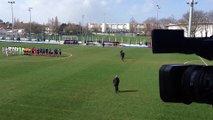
69	29
210	16
210	19
133	25
198	18
50	25
206	25
96	29
149	25
18	24
36	28
166	21
56	25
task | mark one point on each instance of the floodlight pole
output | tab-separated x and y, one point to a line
82	24
158	8
191	4
30	22
12	2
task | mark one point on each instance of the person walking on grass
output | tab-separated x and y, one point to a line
122	54
116	82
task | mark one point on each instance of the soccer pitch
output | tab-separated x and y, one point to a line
78	86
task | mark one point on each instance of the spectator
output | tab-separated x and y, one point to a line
116	82
122	54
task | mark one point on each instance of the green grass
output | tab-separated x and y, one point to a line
80	87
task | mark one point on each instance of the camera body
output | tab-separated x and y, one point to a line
184	83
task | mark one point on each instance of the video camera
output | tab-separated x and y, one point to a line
184	83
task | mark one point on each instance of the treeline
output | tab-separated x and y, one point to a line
199	17
54	26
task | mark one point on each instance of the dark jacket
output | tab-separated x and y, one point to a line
116	81
122	54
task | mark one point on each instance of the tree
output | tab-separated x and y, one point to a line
69	29
210	16
56	25
36	28
149	25
96	29
133	25
166	21
18	24
198	18
62	28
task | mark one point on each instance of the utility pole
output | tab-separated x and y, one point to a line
12	2
191	4
82	24
30	22
158	8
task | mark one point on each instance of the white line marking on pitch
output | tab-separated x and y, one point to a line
24	60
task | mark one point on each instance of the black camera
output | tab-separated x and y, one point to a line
184	83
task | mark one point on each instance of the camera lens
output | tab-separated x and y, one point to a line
197	84
170	82
186	83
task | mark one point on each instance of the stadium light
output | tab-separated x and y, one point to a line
12	2
82	24
30	22
191	4
158	8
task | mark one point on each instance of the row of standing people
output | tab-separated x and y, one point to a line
28	51
46	51
12	50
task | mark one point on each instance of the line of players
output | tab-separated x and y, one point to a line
45	51
28	51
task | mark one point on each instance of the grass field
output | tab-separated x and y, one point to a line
79	86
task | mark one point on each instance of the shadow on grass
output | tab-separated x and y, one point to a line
127	91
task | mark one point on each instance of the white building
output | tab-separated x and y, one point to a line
113	27
109	27
203	29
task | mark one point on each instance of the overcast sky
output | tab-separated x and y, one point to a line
116	11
